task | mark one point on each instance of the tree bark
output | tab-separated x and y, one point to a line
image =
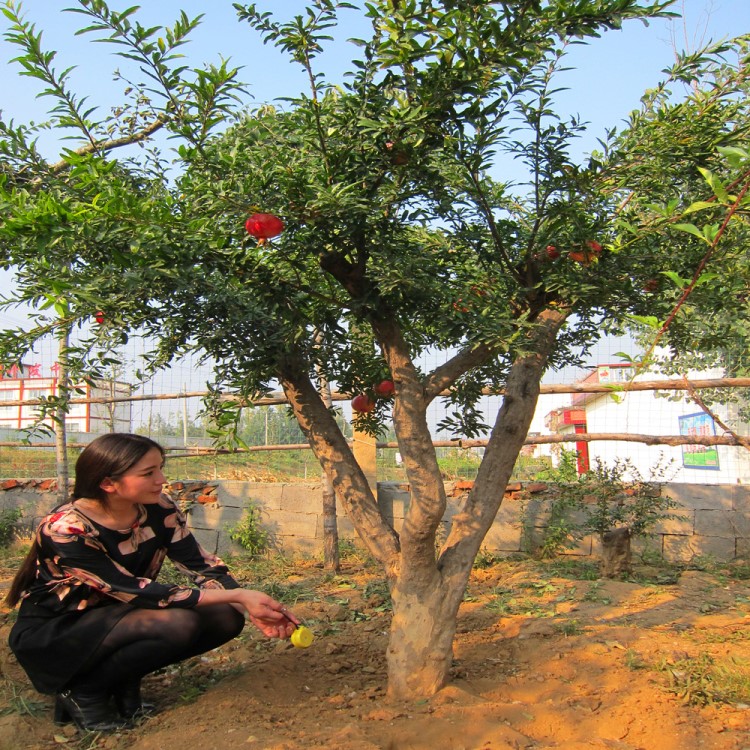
616	552
420	648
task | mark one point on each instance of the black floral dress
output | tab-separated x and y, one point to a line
89	576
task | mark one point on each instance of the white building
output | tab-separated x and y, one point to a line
28	383
652	413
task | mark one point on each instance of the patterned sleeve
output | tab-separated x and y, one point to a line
203	568
79	569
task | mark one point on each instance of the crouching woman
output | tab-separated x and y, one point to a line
93	619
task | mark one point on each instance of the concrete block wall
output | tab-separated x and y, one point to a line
710	520
33	497
290	513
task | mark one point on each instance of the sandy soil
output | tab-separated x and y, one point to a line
541	661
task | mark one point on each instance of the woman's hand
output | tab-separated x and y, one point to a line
272	618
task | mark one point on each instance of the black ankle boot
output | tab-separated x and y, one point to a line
129	703
89	713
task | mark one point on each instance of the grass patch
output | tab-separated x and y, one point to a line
507	602
570	628
579	570
634	661
16	700
595	595
668	575
702	680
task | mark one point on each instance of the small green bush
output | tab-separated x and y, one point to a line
603	499
9	518
565	471
248	532
621	497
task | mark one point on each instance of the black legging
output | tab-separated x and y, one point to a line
145	640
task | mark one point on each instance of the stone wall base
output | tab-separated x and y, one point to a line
711	521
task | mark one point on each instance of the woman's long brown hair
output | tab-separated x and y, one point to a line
108	456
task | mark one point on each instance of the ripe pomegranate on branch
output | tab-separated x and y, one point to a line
385	388
363	403
264	226
591	252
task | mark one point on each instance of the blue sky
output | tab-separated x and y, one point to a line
610	73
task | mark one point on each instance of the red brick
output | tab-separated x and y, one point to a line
203	499
9	484
536	487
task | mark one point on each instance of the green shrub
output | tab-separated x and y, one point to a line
248	532
9	518
605	498
565	471
621	498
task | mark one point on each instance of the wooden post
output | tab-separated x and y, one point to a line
366	453
61	413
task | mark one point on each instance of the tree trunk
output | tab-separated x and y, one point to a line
424	618
331	559
616	552
420	646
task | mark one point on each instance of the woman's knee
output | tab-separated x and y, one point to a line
172	625
238	622
222	622
229	620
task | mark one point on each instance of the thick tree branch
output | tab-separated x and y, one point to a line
428	501
111	145
506	440
443	377
337	460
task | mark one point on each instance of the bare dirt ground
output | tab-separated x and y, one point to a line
543	659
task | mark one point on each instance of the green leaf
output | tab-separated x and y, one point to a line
690	229
698	206
710	233
715	184
624	355
650	321
704	278
676	279
61	308
737	157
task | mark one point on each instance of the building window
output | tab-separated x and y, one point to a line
9	412
29	394
609	374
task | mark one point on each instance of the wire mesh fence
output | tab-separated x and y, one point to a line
652	431
579	407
